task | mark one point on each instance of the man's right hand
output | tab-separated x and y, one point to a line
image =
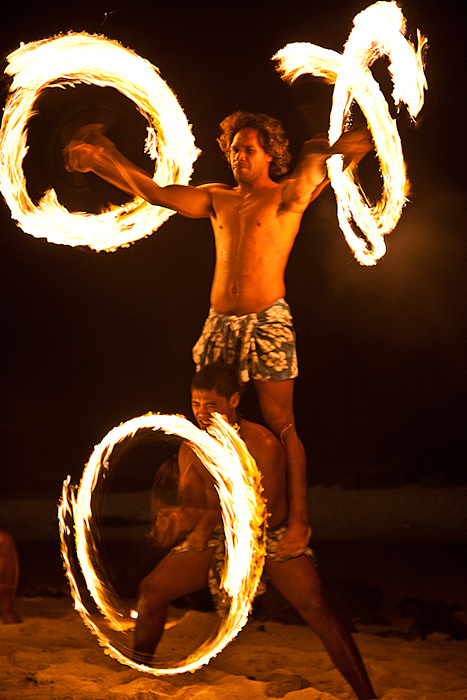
293	543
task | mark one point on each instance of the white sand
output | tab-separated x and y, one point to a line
51	655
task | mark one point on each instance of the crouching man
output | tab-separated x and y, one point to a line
185	569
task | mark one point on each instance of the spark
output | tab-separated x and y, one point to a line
378	31
107	15
237	478
65	61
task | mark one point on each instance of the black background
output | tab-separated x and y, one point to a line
93	339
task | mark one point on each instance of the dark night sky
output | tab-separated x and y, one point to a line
90	340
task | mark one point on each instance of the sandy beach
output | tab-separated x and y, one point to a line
51	655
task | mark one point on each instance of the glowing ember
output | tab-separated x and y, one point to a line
378	31
82	58
226	457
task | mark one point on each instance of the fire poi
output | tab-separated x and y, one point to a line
226	457
82	58
63	62
378	31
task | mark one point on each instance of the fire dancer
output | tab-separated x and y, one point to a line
255	225
186	568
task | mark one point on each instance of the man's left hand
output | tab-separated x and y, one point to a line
293	543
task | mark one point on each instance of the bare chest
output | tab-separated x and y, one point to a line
245	225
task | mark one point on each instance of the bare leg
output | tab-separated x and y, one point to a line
177	575
299	582
276	401
9	573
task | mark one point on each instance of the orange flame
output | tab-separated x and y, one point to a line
378	31
82	58
237	477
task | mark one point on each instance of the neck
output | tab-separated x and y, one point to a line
236	421
258	184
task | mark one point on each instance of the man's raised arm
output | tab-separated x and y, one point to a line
91	151
310	177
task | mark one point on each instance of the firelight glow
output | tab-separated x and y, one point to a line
378	31
65	61
226	457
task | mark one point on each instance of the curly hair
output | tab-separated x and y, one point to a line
271	137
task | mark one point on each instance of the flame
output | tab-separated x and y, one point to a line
82	58
378	31
237	477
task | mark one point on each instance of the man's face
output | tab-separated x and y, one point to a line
248	159
205	402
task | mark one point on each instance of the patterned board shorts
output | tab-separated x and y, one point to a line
216	542
263	344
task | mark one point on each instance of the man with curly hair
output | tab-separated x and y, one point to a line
271	137
255	224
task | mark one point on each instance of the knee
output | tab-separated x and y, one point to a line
277	417
281	424
150	592
315	612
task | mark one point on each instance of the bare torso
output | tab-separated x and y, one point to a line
254	223
269	455
253	238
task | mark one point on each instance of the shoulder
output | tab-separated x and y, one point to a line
285	196
217	193
259	438
186	456
214	187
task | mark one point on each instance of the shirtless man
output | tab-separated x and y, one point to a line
185	568
255	225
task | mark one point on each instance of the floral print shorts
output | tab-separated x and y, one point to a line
263	344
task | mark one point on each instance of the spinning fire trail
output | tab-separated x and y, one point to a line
226	457
378	31
63	62
80	58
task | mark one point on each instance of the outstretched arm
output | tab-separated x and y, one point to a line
310	175
199	484
91	151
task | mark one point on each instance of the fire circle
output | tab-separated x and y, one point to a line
237	478
66	61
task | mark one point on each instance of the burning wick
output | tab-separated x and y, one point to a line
378	31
